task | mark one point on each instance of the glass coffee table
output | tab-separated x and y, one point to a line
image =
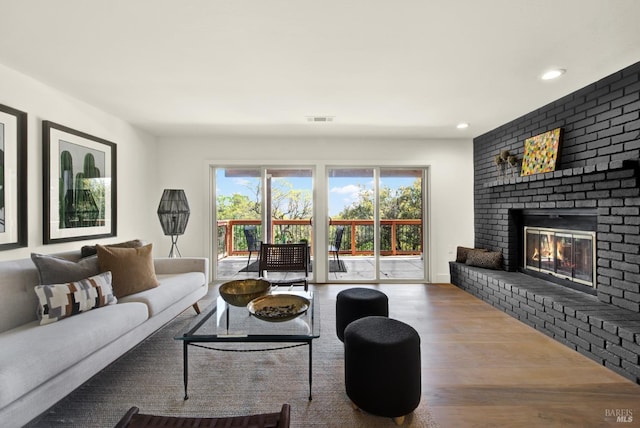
224	323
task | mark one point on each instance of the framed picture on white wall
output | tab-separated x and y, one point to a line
13	178
79	176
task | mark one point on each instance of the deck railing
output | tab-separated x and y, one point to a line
397	236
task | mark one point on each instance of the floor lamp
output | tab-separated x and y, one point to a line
173	213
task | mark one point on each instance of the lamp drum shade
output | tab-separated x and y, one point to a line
173	212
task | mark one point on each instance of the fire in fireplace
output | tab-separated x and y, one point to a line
563	253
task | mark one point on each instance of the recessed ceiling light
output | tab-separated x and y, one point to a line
462	125
553	74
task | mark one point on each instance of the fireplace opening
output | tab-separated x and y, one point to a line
558	245
563	253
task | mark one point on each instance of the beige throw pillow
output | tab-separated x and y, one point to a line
132	268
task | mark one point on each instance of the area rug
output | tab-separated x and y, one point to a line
222	384
334	266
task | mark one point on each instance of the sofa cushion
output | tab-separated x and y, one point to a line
92	250
32	354
132	268
58	301
18	300
171	289
56	270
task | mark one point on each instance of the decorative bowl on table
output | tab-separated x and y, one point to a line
241	292
278	307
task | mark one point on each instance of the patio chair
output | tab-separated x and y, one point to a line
134	419
334	247
253	241
285	258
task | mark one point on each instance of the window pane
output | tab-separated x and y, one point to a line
351	205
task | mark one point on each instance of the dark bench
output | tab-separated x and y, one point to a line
134	419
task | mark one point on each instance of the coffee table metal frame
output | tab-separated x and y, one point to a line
223	323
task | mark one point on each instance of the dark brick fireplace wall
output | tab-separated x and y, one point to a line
597	169
597	173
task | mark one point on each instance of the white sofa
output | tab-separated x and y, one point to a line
41	364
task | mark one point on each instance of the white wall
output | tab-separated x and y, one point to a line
147	165
184	163
136	159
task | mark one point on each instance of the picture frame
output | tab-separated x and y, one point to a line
541	152
79	185
13	178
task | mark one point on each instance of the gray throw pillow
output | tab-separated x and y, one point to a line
91	250
56	270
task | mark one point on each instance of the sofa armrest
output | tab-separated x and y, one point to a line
166	265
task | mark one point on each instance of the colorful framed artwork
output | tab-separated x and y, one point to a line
13	178
541	152
79	185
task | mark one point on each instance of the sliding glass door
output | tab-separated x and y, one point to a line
258	204
401	212
379	215
238	220
374	230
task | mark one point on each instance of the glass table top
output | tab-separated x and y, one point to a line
222	322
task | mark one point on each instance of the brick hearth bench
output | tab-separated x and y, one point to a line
603	332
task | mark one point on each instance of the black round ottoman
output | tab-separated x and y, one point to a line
382	366
356	303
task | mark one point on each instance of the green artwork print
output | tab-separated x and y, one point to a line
82	194
540	153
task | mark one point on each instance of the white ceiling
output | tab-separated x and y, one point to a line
406	68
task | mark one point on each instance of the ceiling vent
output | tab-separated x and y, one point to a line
320	119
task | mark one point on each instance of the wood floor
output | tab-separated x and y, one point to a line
482	368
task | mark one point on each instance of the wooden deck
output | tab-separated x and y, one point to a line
357	268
